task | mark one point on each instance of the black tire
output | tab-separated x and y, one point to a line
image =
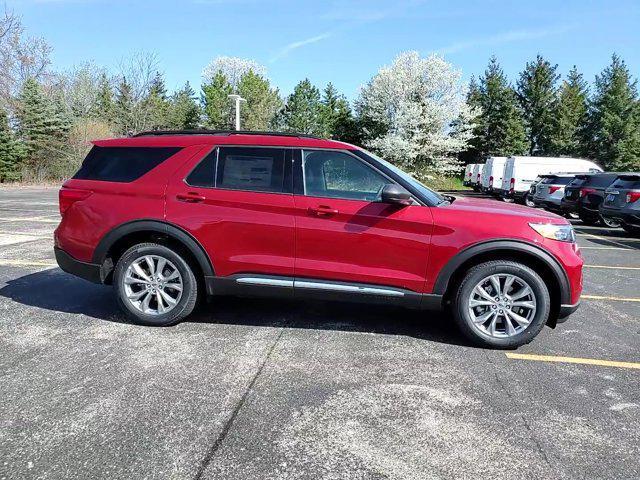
528	201
591	220
476	275
609	222
631	229
187	300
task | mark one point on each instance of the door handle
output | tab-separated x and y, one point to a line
322	211
190	197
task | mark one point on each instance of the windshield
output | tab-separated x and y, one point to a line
432	196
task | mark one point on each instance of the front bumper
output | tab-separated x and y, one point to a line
87	271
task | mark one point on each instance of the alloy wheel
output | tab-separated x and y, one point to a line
153	285
502	305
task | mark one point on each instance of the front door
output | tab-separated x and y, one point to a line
344	233
238	203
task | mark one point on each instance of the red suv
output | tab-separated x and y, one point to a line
168	216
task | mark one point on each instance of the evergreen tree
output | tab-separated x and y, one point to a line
156	105
105	108
498	127
571	115
216	103
474	100
262	103
184	111
338	119
303	110
9	151
537	95
43	125
615	119
123	107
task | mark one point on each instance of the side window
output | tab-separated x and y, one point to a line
250	168
339	175
122	164
204	173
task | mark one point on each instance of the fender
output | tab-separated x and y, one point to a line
442	282
160	226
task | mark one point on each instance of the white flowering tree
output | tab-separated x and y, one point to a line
415	114
233	68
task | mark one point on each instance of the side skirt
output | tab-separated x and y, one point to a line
255	285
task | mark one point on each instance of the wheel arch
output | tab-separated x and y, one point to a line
527	253
117	240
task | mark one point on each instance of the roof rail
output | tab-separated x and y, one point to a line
220	133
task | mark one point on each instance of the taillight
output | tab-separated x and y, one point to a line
68	196
554	189
633	196
586	191
512	185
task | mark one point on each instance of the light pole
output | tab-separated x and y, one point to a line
237	99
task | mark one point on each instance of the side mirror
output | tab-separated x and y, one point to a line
395	194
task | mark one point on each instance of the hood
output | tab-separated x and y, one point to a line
501	208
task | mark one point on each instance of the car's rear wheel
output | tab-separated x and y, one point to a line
155	285
501	304
610	222
528	201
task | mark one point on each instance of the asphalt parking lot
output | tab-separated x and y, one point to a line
256	389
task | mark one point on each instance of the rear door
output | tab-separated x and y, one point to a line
238	203
343	232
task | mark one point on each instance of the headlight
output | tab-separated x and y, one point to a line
562	233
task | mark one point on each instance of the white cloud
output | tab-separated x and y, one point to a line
503	38
287	49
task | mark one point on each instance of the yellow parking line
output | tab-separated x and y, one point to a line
27	263
29	219
583	361
619	299
611	267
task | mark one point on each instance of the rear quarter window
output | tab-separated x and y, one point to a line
122	164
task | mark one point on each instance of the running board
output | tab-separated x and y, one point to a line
289	287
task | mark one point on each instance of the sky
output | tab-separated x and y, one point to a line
342	41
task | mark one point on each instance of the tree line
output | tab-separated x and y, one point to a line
416	112
542	115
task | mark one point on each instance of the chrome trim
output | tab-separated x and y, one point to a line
272	282
570	306
347	288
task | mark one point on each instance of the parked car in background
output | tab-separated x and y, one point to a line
549	191
622	202
468	179
584	195
492	173
477	175
520	173
166	217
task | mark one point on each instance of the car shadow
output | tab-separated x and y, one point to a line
57	291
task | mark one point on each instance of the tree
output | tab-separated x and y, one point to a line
412	107
338	120
184	111
105	107
262	103
615	118
303	111
9	152
537	95
571	115
233	68
156	105
216	103
123	108
498	127
42	127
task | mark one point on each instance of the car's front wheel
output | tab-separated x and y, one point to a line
155	285
501	304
